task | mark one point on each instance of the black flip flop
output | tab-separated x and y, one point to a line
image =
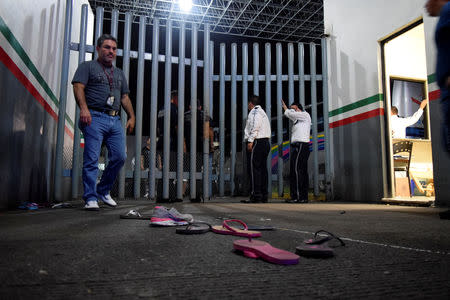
135	215
194	228
318	247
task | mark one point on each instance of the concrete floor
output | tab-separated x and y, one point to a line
391	252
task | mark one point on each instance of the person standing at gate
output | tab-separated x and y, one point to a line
441	9
257	134
100	90
299	152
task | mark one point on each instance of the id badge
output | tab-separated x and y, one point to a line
110	101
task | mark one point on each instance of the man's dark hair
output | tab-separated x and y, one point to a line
255	100
105	37
394	110
298	105
173	94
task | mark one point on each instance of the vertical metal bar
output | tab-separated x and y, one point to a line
326	128
76	134
139	107
206	79
233	115
211	82
222	121
312	58
167	87
244	106
279	71
268	60
154	106
256	69
114	22
301	73
180	136
193	150
126	71
62	103
291	72
290	55
99	12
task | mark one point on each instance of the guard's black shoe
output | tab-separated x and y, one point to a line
291	201
248	201
303	201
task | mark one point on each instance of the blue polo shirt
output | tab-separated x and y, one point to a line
97	89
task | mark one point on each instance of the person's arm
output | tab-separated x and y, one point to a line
142	162
255	126
80	98
128	107
416	116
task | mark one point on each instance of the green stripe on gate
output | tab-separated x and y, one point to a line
26	59
358	104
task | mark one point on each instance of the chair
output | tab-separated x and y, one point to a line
403	163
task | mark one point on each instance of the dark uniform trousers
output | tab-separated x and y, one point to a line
299	180
257	169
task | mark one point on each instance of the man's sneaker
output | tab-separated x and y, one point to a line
154	221
163	212
108	200
91	205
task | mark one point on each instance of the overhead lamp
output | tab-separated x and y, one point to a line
185	5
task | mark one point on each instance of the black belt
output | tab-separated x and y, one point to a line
106	111
262	139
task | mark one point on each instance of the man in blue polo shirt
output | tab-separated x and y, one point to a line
100	89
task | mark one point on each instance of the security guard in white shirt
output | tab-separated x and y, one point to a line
398	125
299	152
257	134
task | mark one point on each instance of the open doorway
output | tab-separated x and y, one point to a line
409	171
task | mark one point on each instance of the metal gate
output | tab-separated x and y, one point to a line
225	178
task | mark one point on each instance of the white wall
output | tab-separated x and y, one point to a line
38	26
355	27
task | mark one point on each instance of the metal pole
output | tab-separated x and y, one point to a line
301	73
222	121
206	80
99	11
244	108
76	135
268	75
326	129
193	153
291	72
279	119
126	71
312	55
114	22
180	136
167	87
62	103
233	116
211	112
139	107
256	69
153	106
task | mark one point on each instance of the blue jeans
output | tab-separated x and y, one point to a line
108	129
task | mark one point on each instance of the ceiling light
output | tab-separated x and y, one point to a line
185	5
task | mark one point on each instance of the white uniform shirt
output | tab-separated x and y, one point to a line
257	126
398	125
301	127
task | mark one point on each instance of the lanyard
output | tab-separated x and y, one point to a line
110	77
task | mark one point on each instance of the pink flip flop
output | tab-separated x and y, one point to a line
227	229
255	249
